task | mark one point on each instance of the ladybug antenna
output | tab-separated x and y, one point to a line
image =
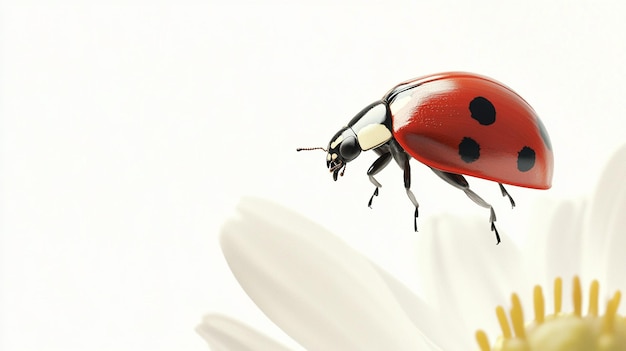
311	148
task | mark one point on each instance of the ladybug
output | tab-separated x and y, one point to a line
457	124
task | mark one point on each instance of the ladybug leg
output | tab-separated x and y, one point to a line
459	182
409	193
506	193
375	168
402	158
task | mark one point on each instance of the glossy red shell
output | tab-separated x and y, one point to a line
431	118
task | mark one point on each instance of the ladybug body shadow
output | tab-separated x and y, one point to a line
457	124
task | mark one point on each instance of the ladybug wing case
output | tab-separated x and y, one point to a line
469	124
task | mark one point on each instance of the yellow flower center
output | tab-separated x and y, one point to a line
560	331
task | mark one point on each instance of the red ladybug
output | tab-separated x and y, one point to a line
456	123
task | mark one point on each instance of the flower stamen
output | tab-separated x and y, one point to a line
593	298
483	341
504	323
561	331
611	309
539	304
517	317
558	292
578	297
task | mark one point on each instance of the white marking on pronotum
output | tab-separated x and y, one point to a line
336	142
373	135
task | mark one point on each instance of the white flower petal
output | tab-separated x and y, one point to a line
433	324
321	292
607	199
225	334
469	273
558	252
616	245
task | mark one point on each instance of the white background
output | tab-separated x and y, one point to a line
130	129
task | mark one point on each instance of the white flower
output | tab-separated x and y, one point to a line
584	239
320	291
326	296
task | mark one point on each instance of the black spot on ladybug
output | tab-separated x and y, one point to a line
469	150
544	134
482	110
525	159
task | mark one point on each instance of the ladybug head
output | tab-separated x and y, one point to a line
368	130
342	148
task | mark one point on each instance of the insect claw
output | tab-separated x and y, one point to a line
493	229
369	203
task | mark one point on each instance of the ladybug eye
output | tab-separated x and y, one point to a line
349	149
